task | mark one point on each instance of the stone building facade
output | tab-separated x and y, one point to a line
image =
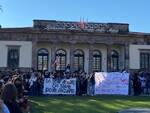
52	45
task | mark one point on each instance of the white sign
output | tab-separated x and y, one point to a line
111	83
59	86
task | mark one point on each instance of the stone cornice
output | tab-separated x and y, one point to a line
37	31
30	30
30	34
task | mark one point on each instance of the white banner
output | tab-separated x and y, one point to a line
59	86
111	83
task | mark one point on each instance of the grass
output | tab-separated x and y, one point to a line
86	104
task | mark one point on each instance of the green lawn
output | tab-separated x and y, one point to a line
86	104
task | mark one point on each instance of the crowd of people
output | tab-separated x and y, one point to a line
36	81
12	91
16	85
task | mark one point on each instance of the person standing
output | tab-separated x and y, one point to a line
33	85
136	85
9	96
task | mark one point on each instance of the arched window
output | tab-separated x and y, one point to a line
97	58
42	59
114	60
60	60
78	60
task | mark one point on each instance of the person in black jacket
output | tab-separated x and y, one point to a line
136	85
9	96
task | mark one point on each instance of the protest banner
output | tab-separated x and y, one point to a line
111	83
59	86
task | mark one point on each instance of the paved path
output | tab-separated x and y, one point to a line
135	110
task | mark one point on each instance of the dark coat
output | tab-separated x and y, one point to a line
13	107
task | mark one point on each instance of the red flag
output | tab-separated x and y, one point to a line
81	24
56	62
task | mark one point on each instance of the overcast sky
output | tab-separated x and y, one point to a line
20	13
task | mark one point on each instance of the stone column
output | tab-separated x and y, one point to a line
53	50
126	56
91	48
72	49
109	58
34	54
